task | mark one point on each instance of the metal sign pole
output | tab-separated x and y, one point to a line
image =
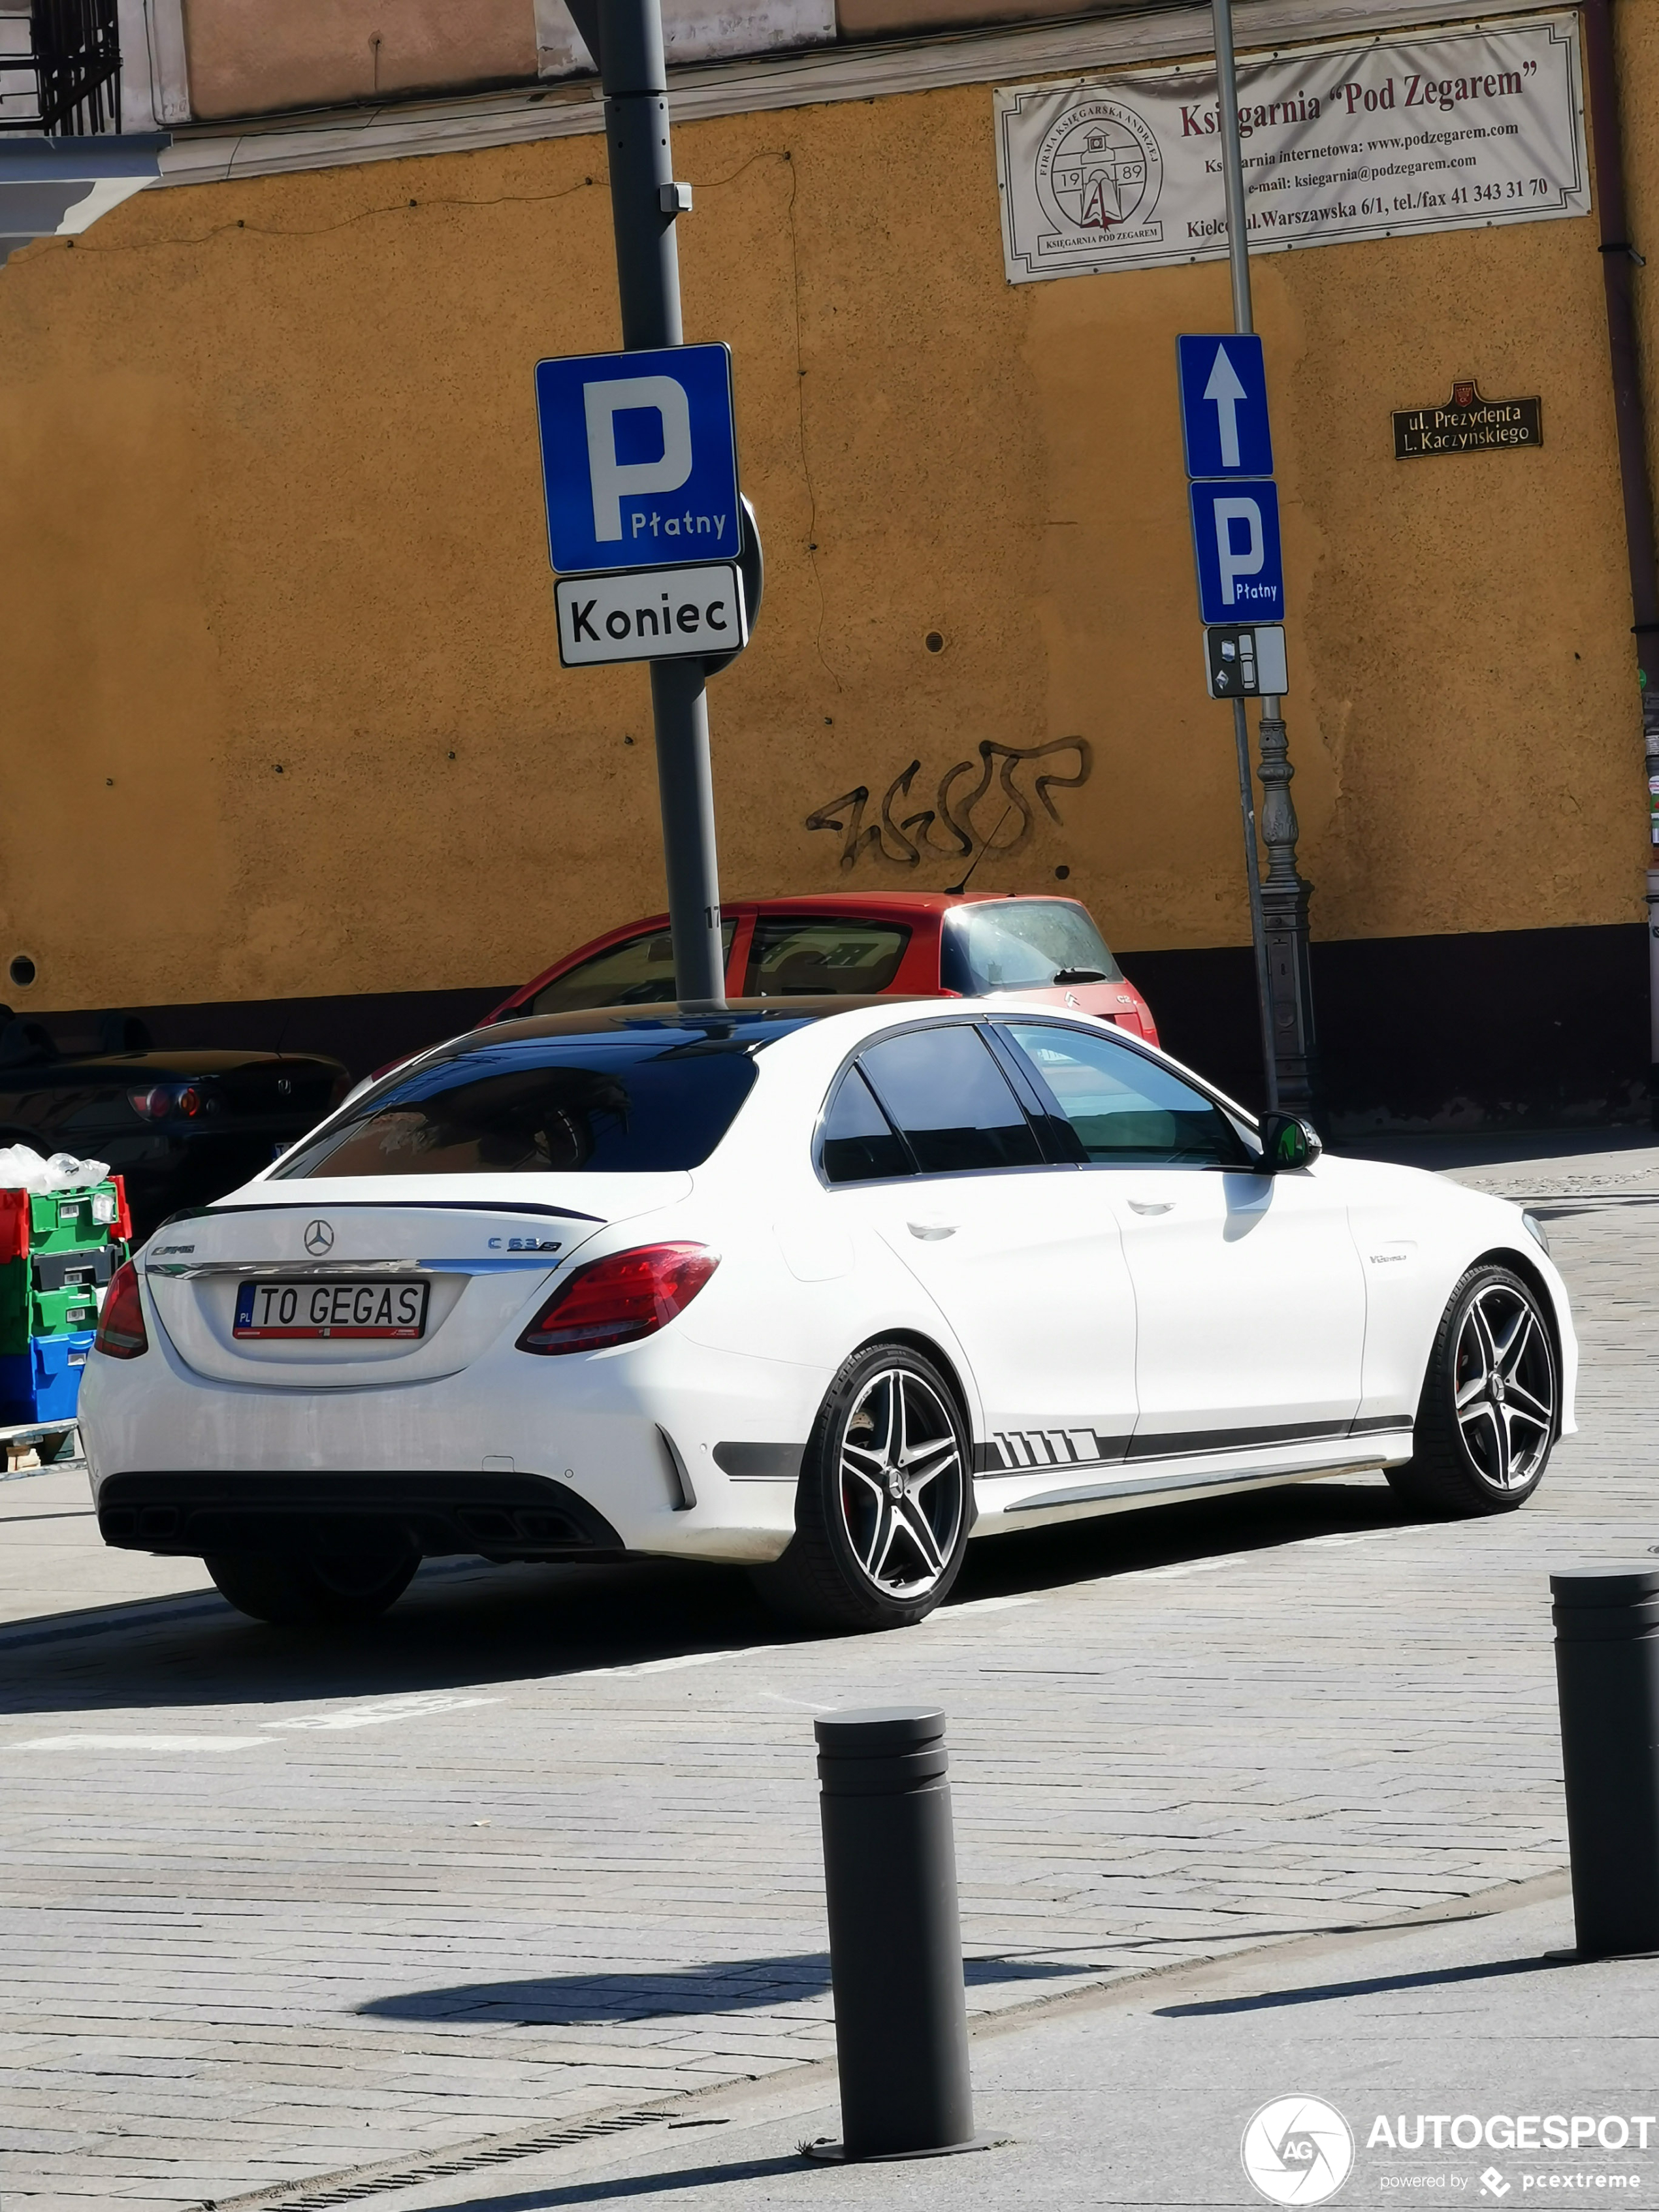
1232	166
1253	880
1278	917
644	205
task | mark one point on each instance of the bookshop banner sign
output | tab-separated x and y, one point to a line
1408	133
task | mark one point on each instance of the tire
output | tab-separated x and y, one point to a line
311	1589
875	1545
1491	1404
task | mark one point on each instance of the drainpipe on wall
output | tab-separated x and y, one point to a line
1620	262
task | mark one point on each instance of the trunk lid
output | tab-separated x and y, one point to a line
482	1262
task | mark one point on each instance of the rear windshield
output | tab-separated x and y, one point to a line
1021	945
616	1104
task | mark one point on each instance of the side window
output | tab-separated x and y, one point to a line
1125	1109
859	1143
944	1091
639	972
793	954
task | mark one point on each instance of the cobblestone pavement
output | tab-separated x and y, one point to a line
543	1845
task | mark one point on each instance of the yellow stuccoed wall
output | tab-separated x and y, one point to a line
282	709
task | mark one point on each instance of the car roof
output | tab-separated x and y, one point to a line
755	1020
870	903
889	901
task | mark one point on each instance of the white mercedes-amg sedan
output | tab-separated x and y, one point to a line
821	1286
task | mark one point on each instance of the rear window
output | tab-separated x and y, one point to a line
614	1104
791	955
1021	945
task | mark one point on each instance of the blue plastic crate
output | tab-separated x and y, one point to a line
43	1382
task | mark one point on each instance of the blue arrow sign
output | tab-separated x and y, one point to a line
1224	407
639	458
1241	574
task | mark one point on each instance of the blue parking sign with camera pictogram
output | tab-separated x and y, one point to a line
639	458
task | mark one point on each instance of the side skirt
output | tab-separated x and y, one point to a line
1101	1491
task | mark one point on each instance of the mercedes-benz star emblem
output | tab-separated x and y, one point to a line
319	1238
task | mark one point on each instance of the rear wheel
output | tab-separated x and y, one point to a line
1489	1410
883	1510
313	1587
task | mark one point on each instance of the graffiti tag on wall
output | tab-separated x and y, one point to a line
998	812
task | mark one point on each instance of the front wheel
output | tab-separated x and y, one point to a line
312	1588
885	1498
1490	1406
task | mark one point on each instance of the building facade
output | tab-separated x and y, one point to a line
283	676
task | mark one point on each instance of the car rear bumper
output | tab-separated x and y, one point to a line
666	1448
497	1516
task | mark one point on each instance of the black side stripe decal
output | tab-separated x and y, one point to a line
1031	1450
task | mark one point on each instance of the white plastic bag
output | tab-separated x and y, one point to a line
70	1173
22	1169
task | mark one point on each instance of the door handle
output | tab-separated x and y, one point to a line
930	1232
1150	1205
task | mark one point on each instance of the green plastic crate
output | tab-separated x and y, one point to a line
67	1220
26	1312
62	1313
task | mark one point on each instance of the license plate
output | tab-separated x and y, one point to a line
339	1308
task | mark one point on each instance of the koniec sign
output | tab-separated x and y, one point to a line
1400	135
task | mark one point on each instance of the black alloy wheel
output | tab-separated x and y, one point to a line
886	1500
313	1589
1491	1403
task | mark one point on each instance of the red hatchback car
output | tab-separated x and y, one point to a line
929	944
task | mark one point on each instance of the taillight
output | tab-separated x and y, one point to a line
618	1300
163	1099
121	1324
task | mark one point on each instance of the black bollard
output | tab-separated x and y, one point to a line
889	1878
1607	1671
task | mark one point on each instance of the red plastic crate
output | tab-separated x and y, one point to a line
14	1226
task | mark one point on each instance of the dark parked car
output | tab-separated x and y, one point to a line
182	1127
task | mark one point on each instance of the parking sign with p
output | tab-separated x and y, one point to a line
639	459
1241	574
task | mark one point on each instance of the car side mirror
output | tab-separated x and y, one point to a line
1287	1142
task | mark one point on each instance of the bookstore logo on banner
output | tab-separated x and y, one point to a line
1098	171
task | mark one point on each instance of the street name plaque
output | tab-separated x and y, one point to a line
1468	423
